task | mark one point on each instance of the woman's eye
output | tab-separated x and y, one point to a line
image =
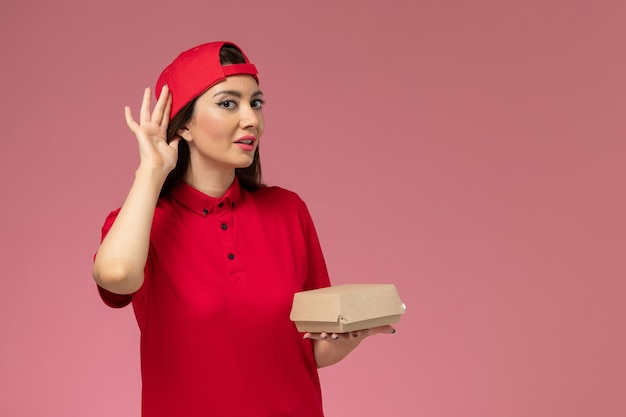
227	104
257	104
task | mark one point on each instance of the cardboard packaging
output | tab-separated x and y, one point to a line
345	308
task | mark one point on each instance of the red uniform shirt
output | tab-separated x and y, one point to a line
216	339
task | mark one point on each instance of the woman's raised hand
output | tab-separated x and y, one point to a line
121	259
151	132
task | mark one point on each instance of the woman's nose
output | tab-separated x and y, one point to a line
249	117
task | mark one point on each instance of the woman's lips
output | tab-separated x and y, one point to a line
246	142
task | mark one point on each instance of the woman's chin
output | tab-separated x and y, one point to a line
244	163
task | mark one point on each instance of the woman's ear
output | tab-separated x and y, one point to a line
184	133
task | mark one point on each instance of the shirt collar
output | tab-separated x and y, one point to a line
203	204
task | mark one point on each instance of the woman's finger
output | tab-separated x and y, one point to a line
166	113
144	115
130	122
382	329
161	105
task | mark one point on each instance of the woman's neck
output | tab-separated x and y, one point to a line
212	182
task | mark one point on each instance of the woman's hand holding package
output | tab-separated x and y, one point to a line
330	348
354	335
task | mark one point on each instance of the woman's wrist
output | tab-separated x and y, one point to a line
152	173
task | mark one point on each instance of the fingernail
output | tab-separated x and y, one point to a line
393	331
355	334
334	337
306	336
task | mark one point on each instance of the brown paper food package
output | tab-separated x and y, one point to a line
346	308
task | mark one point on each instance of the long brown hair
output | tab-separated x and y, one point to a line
249	177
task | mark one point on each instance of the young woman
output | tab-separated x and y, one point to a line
210	257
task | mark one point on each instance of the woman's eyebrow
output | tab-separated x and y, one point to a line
236	93
228	92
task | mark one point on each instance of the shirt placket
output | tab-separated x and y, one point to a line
225	224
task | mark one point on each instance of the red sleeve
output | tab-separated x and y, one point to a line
109	298
317	273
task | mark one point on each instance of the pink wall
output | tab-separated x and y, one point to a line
472	153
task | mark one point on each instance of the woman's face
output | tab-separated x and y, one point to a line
226	126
